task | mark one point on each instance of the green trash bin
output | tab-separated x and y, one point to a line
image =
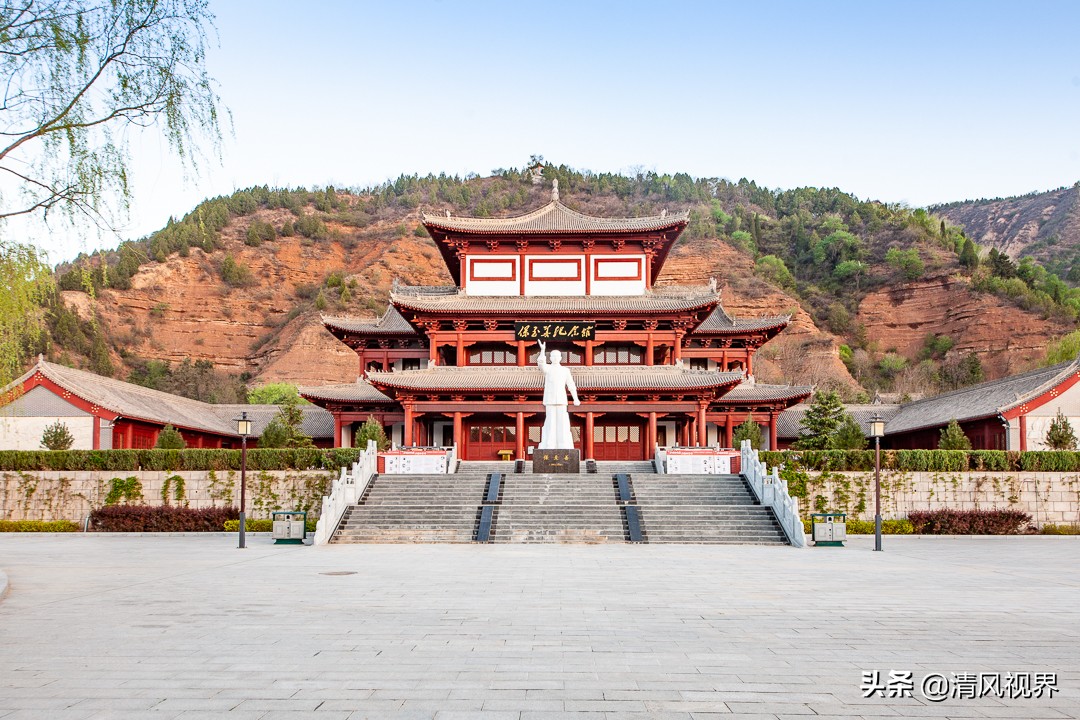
828	529
290	527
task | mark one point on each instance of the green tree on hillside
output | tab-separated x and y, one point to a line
969	258
848	435
906	262
274	394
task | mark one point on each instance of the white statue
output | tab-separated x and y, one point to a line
556	434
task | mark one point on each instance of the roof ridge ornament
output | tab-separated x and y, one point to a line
555	190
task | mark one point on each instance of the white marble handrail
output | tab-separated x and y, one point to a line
772	490
346	489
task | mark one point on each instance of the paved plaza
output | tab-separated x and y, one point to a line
98	626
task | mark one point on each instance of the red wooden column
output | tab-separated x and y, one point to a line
649	350
678	347
702	427
337	430
652	435
96	444
433	351
749	362
588	352
587	440
772	430
522	356
684	432
519	446
130	436
457	434
407	441
1023	434
729	430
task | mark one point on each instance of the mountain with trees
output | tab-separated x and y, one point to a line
1043	226
231	293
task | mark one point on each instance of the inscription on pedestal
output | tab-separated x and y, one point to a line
556	461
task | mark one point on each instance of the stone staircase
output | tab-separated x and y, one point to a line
707	509
558	509
415	509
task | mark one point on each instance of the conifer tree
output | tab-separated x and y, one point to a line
968	257
820	421
372	429
953	438
749	430
170	439
848	436
57	437
1060	436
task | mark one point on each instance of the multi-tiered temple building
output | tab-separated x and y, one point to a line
653	366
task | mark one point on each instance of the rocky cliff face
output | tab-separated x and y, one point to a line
1006	339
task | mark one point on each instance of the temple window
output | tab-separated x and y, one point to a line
492	355
611	354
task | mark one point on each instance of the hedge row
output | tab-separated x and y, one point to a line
969	522
263	525
173	460
929	460
38	526
866	527
160	518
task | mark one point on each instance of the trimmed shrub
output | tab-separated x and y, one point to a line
263	525
38	526
1052	529
160	518
969	522
929	460
173	460
900	526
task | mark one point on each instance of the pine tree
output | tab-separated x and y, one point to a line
968	257
372	429
170	439
848	436
57	437
1060	436
274	435
820	421
953	438
749	430
293	418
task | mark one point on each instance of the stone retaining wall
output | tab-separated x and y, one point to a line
59	495
1048	497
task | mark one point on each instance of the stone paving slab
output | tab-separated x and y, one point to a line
98	626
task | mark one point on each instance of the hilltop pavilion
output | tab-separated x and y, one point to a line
653	366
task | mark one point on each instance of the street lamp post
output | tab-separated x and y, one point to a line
877	430
243	429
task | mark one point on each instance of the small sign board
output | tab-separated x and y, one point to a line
556	330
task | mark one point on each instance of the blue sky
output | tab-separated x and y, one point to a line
916	102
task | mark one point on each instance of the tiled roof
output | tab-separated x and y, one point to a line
789	422
359	391
553	218
139	403
596	377
719	322
758	392
133	401
317	424
979	401
391	323
451	300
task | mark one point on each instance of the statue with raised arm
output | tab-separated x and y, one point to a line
556	433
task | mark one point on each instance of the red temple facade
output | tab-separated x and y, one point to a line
456	365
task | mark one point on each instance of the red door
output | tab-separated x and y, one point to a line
619	441
485	440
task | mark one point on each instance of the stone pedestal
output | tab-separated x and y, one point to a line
556	461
